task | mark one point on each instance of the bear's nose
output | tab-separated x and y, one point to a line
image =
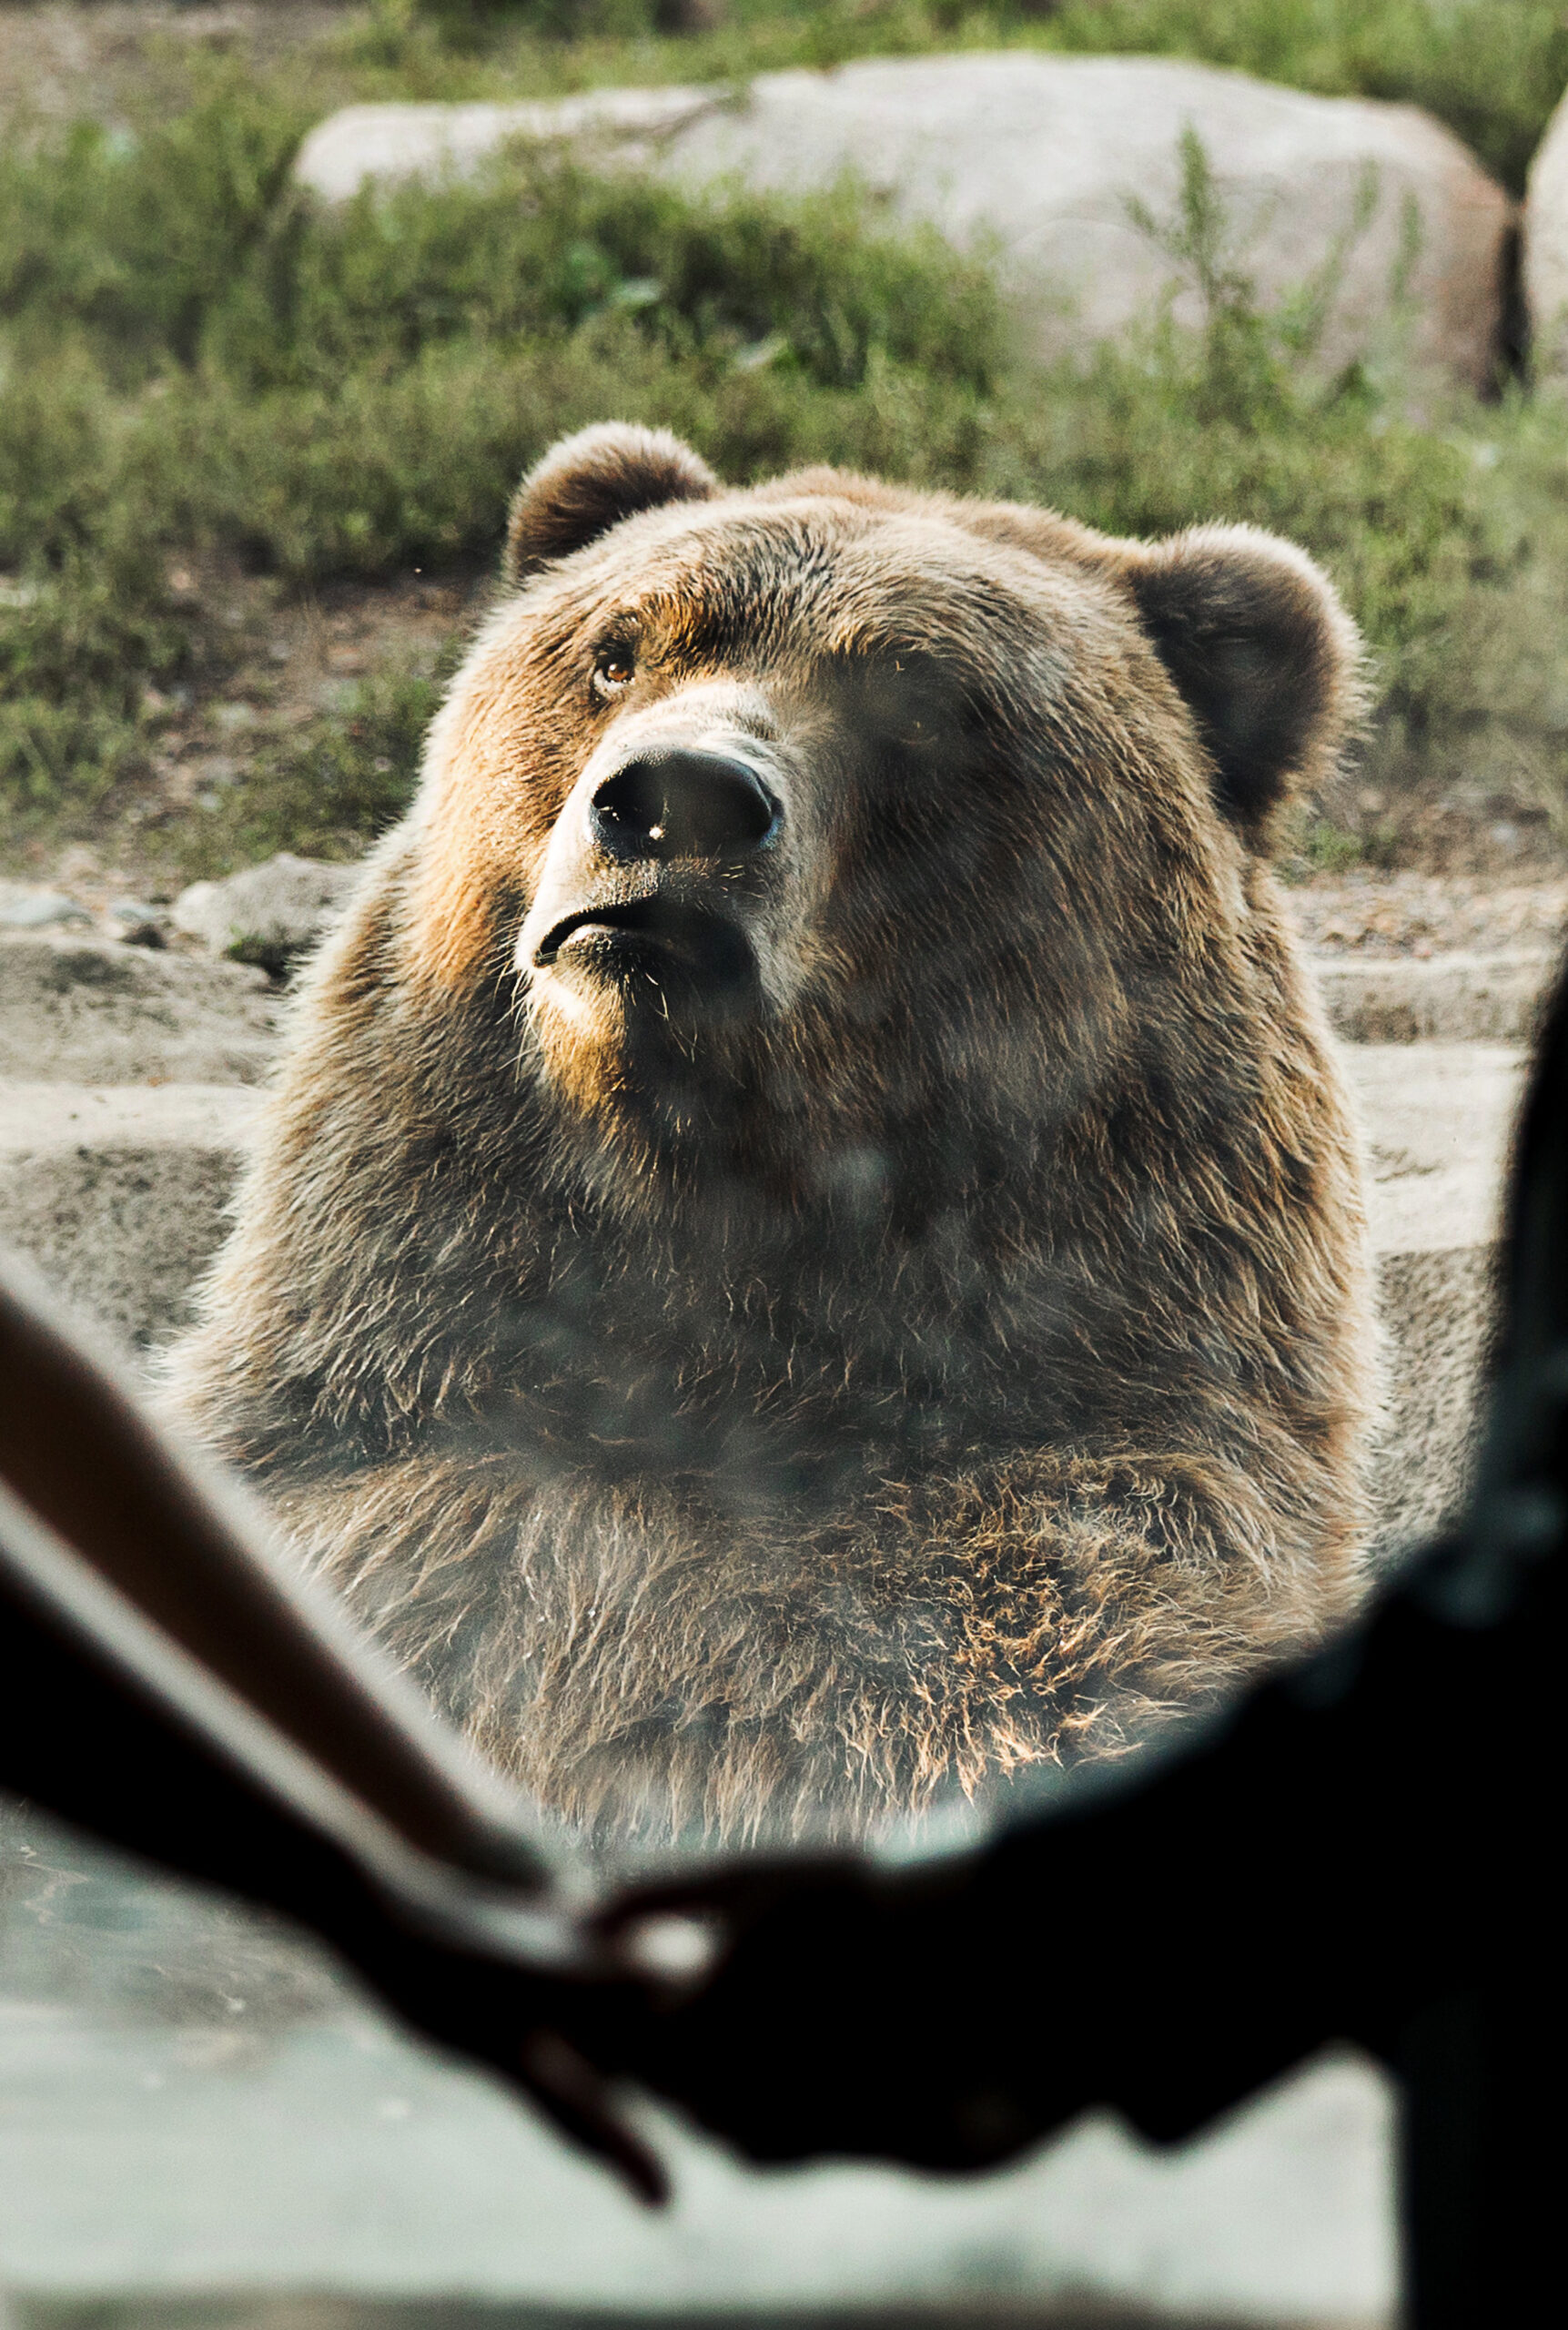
681	805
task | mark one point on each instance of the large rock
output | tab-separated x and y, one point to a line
1546	265
392	142
119	1195
269	915
119	1192
1037	158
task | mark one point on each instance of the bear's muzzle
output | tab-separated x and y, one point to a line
683	803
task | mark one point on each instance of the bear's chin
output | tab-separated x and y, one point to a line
647	1050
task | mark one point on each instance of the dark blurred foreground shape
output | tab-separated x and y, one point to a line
1362	1849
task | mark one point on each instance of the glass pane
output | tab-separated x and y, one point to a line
812	1059
193	2100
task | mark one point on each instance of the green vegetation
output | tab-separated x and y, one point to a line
194	358
328	791
198	368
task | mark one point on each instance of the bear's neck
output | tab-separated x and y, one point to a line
572	1294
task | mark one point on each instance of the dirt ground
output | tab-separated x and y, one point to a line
62	60
1368	913
293	659
283	661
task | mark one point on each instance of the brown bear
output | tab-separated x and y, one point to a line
808	1252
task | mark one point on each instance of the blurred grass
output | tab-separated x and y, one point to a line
1491	69
328	791
193	359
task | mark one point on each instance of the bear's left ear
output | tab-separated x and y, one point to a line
589	482
1267	660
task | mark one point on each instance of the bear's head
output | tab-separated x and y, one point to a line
825	823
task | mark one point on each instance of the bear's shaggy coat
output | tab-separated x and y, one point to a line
808	1251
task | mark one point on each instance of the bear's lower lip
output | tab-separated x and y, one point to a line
651	936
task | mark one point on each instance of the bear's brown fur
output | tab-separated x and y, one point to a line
808	1249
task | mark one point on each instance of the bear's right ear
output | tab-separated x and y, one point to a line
589	482
1265	657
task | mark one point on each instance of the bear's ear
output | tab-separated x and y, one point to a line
1267	660
589	482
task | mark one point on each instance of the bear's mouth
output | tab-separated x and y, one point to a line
652	936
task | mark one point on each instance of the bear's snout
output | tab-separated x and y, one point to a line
650	890
670	805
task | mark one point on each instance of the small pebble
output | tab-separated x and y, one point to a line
137	925
36	909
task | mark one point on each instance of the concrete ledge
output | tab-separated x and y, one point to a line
89	1011
1439	1119
120	1197
1449	998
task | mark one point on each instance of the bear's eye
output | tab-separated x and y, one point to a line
614	668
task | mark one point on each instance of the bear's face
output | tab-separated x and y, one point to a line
800	813
773	834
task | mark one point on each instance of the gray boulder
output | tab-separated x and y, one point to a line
270	915
1035	157
1546	249
392	142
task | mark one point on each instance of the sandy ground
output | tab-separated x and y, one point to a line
63	60
1371	914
